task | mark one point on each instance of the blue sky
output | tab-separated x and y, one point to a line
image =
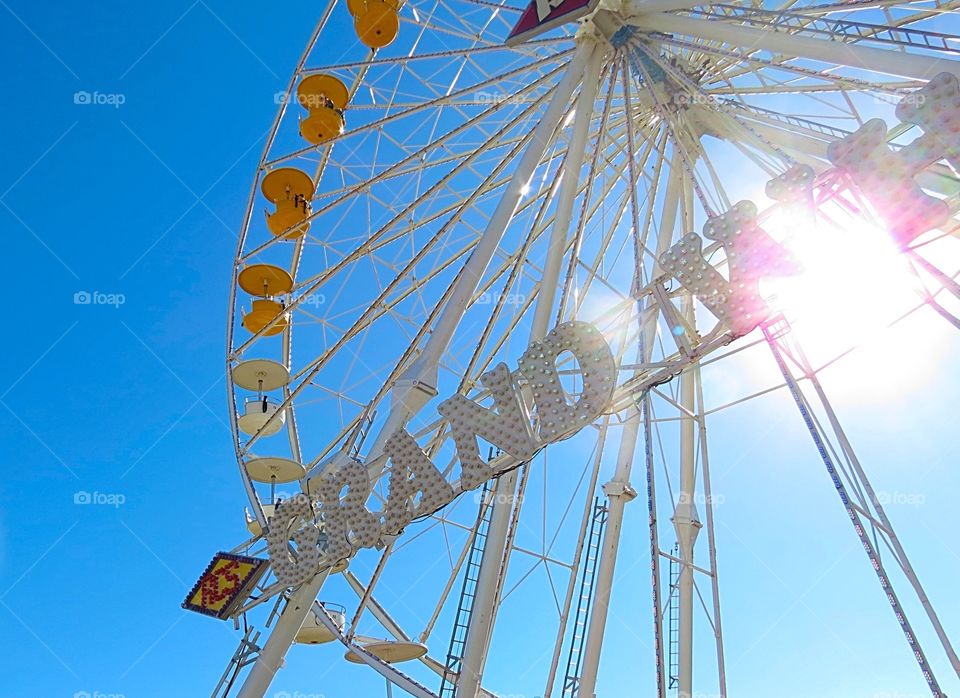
140	202
143	200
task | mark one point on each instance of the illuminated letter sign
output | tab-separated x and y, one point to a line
416	487
348	523
411	473
292	521
886	176
751	255
508	428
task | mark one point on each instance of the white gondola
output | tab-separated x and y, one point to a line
256	413
313	632
252	524
260	374
389	651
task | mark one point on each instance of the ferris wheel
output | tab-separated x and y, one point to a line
505	252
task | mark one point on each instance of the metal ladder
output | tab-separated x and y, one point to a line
247	653
591	556
359	434
673	620
458	638
843	30
815	126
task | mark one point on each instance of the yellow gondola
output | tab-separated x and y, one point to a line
291	190
265	280
377	22
262	314
325	98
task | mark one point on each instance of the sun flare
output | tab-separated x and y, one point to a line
852	285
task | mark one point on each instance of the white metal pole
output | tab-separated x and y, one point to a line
901	554
856	514
618	492
568	192
480	628
412	390
588	513
711	537
854	55
687	524
585	65
271	656
686	519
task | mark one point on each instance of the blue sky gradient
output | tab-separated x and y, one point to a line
141	202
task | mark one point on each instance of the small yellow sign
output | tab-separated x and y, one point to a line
225	584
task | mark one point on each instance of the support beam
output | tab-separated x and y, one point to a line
417	385
663	5
711	537
618	492
686	521
876	60
480	630
776	333
392	674
271	657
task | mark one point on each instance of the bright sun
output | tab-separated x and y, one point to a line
853	283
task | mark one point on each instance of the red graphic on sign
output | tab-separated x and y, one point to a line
224	584
542	15
220	583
